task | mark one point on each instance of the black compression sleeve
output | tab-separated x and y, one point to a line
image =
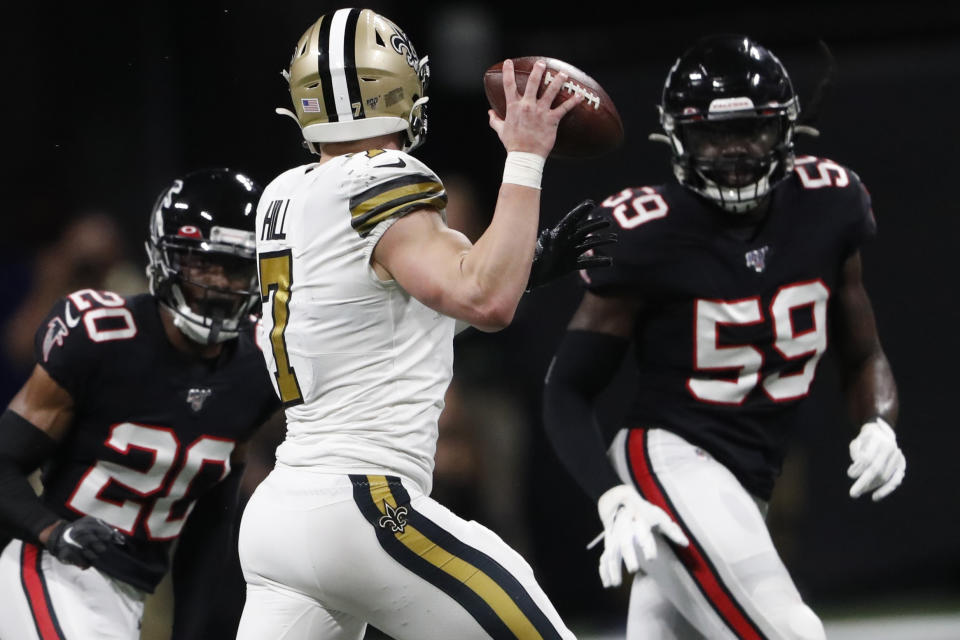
23	447
583	366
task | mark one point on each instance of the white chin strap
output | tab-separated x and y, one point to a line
200	333
195	333
195	326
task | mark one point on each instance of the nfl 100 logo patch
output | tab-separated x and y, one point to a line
757	258
196	397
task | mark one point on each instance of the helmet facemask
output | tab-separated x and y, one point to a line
210	289
733	160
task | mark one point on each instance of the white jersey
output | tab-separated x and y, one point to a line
361	365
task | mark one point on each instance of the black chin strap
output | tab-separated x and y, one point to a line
215	327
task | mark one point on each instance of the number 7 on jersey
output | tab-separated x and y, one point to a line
276	275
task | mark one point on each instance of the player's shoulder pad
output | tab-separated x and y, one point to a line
636	208
292	174
385	183
283	183
69	337
834	181
642	218
815	173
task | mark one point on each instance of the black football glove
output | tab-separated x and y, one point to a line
82	541
566	247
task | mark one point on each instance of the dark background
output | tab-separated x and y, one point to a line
105	103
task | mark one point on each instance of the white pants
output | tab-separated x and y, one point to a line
729	582
325	554
42	598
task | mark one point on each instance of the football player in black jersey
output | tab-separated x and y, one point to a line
727	284
138	411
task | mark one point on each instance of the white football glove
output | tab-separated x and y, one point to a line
629	522
878	462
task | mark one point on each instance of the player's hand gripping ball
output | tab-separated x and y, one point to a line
591	129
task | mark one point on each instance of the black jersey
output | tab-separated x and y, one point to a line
734	317
153	428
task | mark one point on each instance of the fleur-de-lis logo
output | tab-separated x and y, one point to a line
402	45
396	519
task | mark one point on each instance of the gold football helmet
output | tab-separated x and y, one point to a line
355	75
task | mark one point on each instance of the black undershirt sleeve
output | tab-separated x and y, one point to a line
585	363
23	448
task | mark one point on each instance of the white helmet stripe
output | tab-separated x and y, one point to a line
338	77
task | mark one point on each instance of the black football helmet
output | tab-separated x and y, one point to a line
729	112
203	223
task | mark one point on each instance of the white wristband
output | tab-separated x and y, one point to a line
523	168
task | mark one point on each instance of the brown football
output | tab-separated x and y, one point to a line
593	128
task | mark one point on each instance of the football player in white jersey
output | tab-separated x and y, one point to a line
362	284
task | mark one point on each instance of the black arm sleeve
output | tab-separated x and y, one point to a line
23	447
583	366
206	554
